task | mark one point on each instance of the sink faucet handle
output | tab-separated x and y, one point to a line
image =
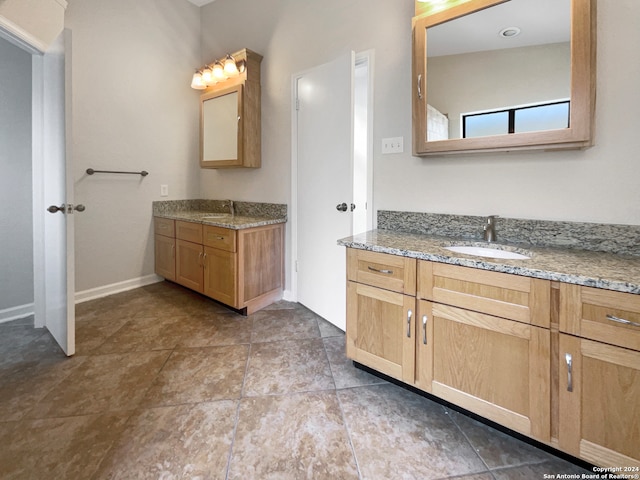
490	228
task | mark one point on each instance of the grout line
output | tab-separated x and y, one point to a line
349	437
464	434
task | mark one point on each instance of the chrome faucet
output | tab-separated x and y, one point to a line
490	228
231	208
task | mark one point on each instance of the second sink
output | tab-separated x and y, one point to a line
481	251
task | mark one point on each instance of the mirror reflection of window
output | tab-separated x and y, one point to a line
471	67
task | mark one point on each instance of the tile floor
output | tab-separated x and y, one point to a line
167	384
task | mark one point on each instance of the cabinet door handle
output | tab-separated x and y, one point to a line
623	321
204	261
420	86
386	272
409	314
173	251
200	258
424	329
569	360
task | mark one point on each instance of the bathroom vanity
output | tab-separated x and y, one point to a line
236	259
547	346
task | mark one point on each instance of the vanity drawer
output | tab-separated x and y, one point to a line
219	237
164	226
514	297
601	315
382	270
189	231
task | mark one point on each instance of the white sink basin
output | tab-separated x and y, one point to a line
487	252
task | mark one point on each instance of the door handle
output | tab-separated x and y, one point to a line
55	208
353	207
569	360
342	207
66	208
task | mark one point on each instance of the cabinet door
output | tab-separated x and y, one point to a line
599	406
381	330
189	265
220	275
497	368
165	253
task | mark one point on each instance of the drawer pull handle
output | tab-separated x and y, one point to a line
623	321
409	314
569	360
424	329
219	238
386	272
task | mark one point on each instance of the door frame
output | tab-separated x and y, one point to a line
368	57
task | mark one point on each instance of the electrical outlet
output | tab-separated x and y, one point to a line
393	145
164	190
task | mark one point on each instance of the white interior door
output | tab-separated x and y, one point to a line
324	185
53	194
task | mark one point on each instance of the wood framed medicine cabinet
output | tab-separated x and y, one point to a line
580	83
230	118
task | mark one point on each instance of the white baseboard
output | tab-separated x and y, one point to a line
288	296
106	290
14	313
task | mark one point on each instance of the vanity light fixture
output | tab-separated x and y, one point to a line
196	82
218	71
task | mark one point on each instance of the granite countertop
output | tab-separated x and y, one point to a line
234	222
581	267
214	212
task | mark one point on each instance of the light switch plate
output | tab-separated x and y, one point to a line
393	145
164	190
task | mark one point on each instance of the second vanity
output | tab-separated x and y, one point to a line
231	252
547	346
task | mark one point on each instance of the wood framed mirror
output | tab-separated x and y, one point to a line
459	85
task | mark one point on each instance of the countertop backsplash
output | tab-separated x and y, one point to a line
609	238
245	209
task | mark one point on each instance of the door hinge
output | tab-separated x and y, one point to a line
297	104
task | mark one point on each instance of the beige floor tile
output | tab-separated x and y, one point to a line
57	448
200	375
103	383
289	324
344	373
295	437
287	367
207	330
497	449
398	434
528	472
188	441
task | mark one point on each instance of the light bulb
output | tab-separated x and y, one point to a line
218	72
207	76
197	83
230	67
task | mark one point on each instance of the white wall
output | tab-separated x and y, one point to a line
598	184
133	109
16	237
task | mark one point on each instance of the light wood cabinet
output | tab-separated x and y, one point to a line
559	363
381	312
599	363
380	330
165	248
189	265
492	366
486	344
243	269
230	118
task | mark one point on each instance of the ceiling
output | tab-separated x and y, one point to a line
479	31
200	3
